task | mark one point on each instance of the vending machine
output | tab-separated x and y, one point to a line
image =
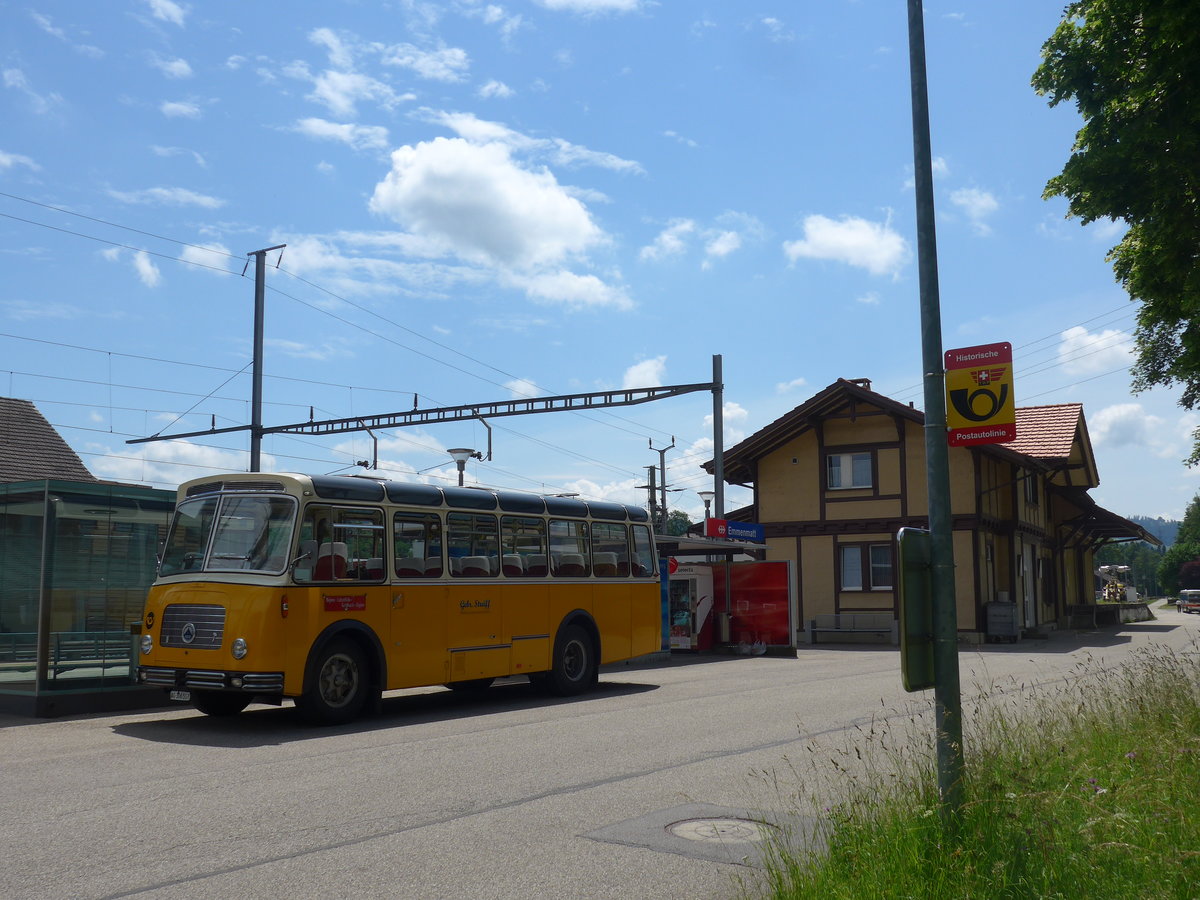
690	598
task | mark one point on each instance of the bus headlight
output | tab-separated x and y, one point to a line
239	648
147	644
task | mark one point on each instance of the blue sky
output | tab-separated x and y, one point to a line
483	201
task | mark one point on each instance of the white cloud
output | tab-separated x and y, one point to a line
172	68
522	388
167	462
686	141
1084	353
160	196
670	241
1125	425
723	243
590	7
42	103
571	290
213	256
340	53
785	387
647	373
146	270
179	109
168	11
977	204
482	206
777	32
495	89
556	150
870	298
179	151
360	137
851	240
10	160
448	64
341	92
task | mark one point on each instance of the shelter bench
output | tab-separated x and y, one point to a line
853	623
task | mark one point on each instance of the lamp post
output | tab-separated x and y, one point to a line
460	456
707	497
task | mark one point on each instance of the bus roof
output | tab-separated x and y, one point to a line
350	488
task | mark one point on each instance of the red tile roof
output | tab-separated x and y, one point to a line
1047	432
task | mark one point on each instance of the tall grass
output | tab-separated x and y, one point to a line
1089	790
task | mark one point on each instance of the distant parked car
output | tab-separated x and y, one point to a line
1189	601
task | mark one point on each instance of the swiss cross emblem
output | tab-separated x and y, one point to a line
986	376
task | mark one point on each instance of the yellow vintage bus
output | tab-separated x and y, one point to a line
332	589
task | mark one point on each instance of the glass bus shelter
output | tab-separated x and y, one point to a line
76	559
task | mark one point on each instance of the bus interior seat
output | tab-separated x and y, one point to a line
535	565
410	567
476	567
375	568
513	565
331	561
571	565
433	567
604	565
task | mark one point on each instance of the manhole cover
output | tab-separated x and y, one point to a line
720	830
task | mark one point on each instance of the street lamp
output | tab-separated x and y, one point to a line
460	456
707	497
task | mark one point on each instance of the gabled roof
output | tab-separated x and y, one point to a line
1047	432
740	460
1051	434
30	448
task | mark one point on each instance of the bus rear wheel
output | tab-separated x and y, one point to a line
575	664
338	688
220	703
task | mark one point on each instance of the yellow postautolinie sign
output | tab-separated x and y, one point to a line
980	407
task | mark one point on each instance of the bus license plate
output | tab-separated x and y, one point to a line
184	696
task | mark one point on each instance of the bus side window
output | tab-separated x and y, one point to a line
643	551
523	545
610	550
417	543
569	552
349	545
473	545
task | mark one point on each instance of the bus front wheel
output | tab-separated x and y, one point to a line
220	703
575	664
338	687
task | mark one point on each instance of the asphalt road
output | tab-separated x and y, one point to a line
511	795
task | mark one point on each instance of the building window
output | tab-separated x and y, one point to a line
849	470
865	567
1031	489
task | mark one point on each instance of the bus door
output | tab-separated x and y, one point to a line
419	602
475	632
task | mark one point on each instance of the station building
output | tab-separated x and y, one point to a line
837	477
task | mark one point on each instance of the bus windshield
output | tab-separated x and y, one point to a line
234	533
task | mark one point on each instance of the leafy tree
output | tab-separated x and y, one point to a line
1133	69
677	522
1189	575
1186	549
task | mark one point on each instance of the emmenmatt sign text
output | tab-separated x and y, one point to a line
980	408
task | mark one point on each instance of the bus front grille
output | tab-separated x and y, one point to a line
194	625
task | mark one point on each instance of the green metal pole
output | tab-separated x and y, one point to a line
947	691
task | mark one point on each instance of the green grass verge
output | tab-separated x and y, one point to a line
1090	791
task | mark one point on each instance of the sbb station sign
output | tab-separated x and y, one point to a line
735	531
980	407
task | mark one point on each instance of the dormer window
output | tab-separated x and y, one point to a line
849	470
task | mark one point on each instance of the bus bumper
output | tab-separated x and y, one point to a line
212	680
